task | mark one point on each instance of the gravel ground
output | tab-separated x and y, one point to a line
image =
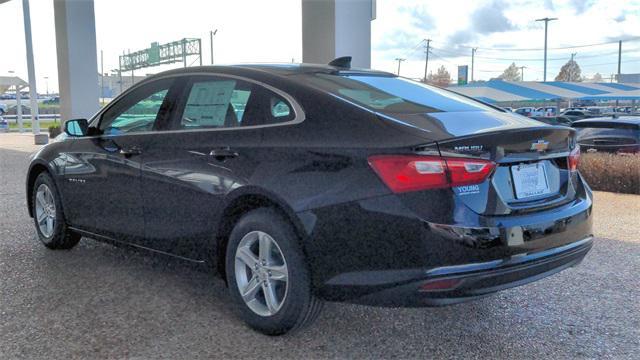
100	301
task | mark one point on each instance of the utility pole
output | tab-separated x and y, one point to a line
46	80
473	55
426	60
522	72
211	34
399	60
184	52
619	59
546	24
619	65
570	73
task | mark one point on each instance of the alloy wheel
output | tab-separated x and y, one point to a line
45	210
261	273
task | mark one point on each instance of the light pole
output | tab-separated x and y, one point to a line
399	60
546	24
46	81
473	55
211	35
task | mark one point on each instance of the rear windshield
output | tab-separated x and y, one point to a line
394	95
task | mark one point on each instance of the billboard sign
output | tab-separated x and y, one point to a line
463	72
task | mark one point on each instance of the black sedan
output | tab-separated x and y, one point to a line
609	134
309	183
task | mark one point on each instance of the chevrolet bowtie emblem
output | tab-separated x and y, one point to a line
540	145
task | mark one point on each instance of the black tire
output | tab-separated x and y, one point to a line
62	237
299	307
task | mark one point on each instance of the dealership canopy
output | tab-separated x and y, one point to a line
7	82
499	90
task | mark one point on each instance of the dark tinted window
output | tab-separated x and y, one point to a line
137	111
387	94
219	102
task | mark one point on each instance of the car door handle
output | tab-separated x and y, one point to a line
222	154
130	151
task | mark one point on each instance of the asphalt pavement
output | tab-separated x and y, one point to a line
101	301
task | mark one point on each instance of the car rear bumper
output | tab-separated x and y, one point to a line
398	258
453	284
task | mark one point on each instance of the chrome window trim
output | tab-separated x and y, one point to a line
297	109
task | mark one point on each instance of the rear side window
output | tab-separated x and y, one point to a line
215	104
219	102
394	95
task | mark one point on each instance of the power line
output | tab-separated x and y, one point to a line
551	48
416	47
452	53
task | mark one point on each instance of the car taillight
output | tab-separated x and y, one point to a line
403	173
574	159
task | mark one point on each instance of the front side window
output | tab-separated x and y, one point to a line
136	112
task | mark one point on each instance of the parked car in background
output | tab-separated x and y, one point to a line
546	111
509	109
554	120
526	111
616	135
574	115
52	100
599	110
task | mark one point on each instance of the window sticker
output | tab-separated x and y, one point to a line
208	103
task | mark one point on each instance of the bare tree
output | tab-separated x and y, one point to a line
570	72
441	78
512	73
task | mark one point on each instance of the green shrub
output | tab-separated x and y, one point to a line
54	130
610	172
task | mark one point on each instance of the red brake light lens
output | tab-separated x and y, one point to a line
468	171
404	173
574	159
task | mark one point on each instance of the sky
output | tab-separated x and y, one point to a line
270	31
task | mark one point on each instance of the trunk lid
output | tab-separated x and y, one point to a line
531	173
532	168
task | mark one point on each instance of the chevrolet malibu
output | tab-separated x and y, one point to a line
308	183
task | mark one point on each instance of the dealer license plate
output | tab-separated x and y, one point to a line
530	180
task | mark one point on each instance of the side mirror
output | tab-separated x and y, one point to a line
76	127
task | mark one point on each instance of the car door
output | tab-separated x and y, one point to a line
214	148
103	171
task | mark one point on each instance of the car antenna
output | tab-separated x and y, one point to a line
342	62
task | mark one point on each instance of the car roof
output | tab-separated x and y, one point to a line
277	69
